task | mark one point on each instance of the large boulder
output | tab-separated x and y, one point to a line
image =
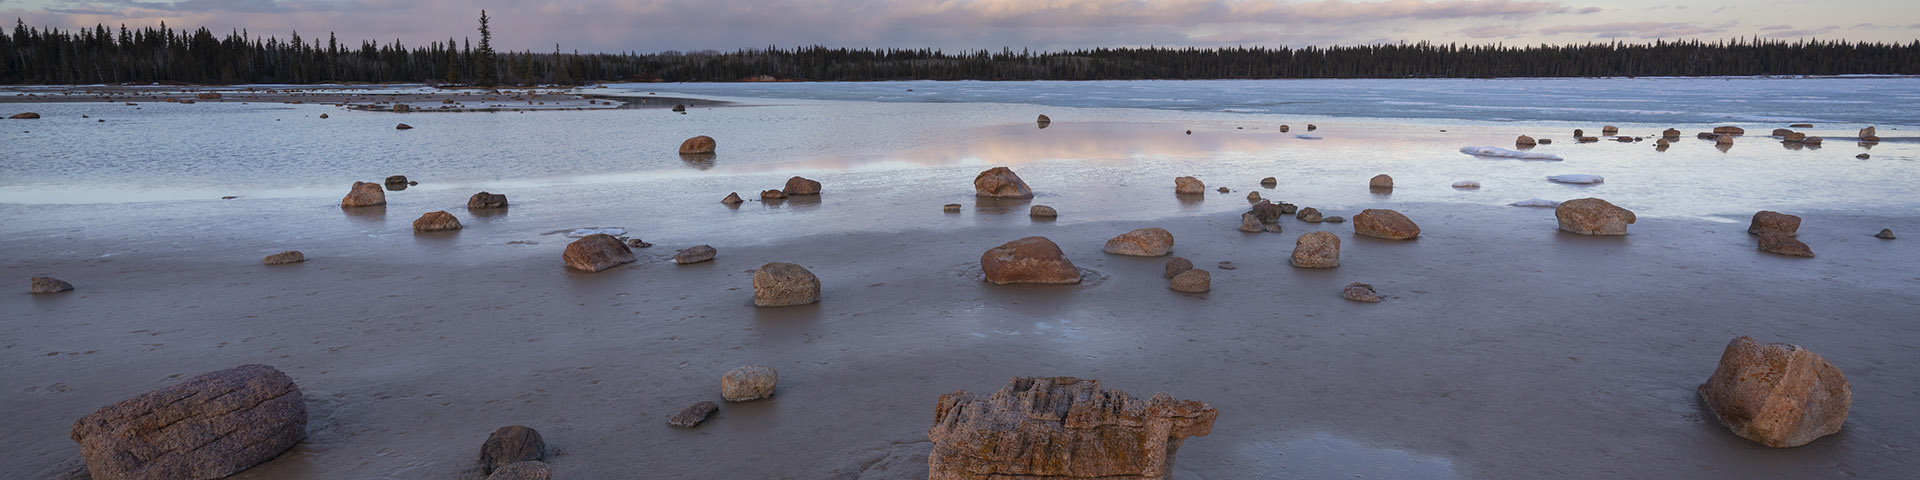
1060	428
1042	211
1383	223
596	252
1772	221
779	284
1189	186
1316	250
801	186
1267	211
752	382
45	285
1000	182
1777	394
1593	216
1783	244
364	194
1028	260
209	426
436	222
484	200
700	144
509	445
1145	242
1380	182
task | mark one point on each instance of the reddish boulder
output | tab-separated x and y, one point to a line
1386	224
1000	182
1028	260
596	252
801	186
1145	242
1061	428
209	426
1777	394
1316	250
1783	244
779	284
695	145
1772	221
364	194
1593	216
435	222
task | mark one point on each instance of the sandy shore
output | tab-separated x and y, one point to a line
418	99
1504	349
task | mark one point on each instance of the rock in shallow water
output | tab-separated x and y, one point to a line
1380	182
733	198
752	382
209	426
1042	211
511	444
1886	233
1384	224
1058	428
484	200
1145	242
45	285
1771	221
779	284
364	194
1189	186
1783	244
436	222
1000	182
1777	394
1250	223
801	186
1309	214
596	252
1028	260
695	254
700	144
1593	216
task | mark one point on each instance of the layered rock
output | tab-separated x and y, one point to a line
209	426
1145	242
1061	428
596	252
45	285
1189	186
1000	182
509	445
439	221
780	284
752	382
1779	395
364	194
1316	250
1386	224
1772	221
697	145
484	200
1028	260
1593	216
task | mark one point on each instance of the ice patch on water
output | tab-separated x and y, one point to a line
1466	184
1505	153
1244	110
1536	202
1308	137
1578	178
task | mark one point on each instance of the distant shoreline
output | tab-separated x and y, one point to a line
357	97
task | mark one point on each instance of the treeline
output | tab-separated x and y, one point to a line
160	54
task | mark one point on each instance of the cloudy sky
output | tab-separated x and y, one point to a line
658	25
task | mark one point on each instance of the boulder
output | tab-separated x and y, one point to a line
694	414
596	252
700	144
1779	395
1269	182
1250	223
1609	130
779	284
694	254
1309	214
1381	181
752	382
1360	292
1779	132
286	257
772	195
44	285
1524	141
209	426
1812	141
1285	128
1316	250
733	198
1000	182
1869	133
1577	133
402	127
1312	127
1662	144
364	194
436	222
1253	197
1189	186
1176	265
24	116
679	108
1795	137
1192	281
1043	121
1783	244
1145	242
1670	133
400	180
1042	211
1728	130
1334	219
509	445
523	471
484	200
1267	212
1592	216
1772	221
801	186
1800	125
1060	428
1886	233
1723	139
1386	224
1028	260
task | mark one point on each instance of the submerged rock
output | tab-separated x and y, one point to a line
1729	130
1779	395
1772	221
700	144
1145	242
210	426
1670	133
1043	121
1042	211
801	186
1192	281
402	127
1577	179
1360	292
1783	244
1316	250
1000	182
752	382
1593	216
1253	197
951	208
1384	224
1535	202
694	414
1381	181
596	252
484	200
1189	186
509	445
1466	184
1176	265
1267	211
1334	219
45	285
439	221
779	284
286	257
1060	428
1028	260
637	243
364	194
772	195
1309	214
695	254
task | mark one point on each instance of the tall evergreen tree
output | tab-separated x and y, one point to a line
484	74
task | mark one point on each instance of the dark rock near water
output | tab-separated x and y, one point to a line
1042	211
694	414
1000	182
733	198
1771	221
1316	250
484	200
364	194
523	471
44	285
697	145
596	252
695	254
1593	216
1028	260
1886	233
509	445
439	221
286	257
801	186
779	284
1384	224
1783	244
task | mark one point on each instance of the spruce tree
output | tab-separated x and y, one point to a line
484	73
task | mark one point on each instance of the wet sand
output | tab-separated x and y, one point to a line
1504	349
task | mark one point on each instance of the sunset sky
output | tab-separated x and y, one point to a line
658	25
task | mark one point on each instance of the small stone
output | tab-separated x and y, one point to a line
1176	265
1886	233
1043	121
1783	244
694	254
1779	395
1360	292
1771	221
1381	181
1145	242
779	284
752	382
1253	197
733	198
397	179
1273	228
1269	182
1670	133
697	145
1334	219
523	471
1312	127
323	116
42	285
1285	128
1863	156
24	116
679	108
1189	186
1224	265
596	252
1316	250
772	195
951	208
286	257
1192	281
1308	214
1222	190
801	186
484	200
637	243
402	127
511	444
1250	223
1042	211
693	415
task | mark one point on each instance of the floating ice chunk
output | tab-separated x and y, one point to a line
1306	136
1536	202
1505	153
582	232
1466	184
1578	178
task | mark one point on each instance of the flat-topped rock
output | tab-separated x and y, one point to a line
1060	428
748	383
1593	216
1042	211
1189	186
439	221
1145	242
484	200
1772	221
1385	224
596	252
1778	394
1000	182
1360	292
1309	214
694	414
1779	243
1028	260
695	254
801	186
780	284
286	257
210	426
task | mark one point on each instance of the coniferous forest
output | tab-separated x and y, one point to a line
101	55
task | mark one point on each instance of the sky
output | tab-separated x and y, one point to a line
725	25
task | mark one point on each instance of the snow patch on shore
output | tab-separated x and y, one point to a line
1505	153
